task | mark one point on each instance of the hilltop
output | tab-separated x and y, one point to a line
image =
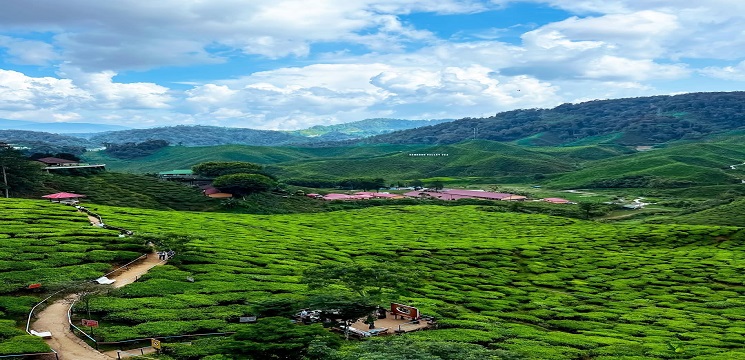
632	121
364	128
200	136
58	127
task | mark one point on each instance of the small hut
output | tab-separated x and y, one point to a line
64	197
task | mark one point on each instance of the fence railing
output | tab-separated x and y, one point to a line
56	356
33	309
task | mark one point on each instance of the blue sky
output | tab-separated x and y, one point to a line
289	64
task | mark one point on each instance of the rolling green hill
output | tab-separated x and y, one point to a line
182	157
469	159
200	136
729	214
119	189
678	165
55	246
533	287
634	121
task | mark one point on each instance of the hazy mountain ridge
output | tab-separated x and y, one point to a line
365	128
199	135
44	141
58	127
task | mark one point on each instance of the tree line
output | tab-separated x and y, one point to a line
633	121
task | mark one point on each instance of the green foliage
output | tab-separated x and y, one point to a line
633	121
44	142
53	245
522	285
406	348
118	189
244	184
373	280
363	128
277	338
199	136
220	168
133	150
18	175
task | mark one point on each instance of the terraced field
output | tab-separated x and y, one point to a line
52	245
531	286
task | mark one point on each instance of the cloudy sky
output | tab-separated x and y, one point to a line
288	64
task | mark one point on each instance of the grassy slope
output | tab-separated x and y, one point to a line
119	189
180	157
54	245
536	286
473	158
700	163
729	214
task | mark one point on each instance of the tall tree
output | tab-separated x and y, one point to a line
19	175
277	338
353	290
244	184
219	168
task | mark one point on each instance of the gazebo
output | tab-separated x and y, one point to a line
60	196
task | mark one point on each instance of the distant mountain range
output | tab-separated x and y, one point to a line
59	127
640	121
213	135
364	128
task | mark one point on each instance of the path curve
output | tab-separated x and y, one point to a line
54	317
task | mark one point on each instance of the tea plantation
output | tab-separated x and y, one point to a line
531	286
51	245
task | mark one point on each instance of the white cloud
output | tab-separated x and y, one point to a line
613	67
28	52
734	73
21	92
130	34
113	95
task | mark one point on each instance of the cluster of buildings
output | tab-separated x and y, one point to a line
362	195
446	194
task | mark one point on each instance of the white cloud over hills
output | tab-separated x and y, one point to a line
288	64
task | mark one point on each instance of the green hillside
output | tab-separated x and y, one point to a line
469	159
119	189
633	121
729	214
529	287
52	245
678	165
182	157
200	136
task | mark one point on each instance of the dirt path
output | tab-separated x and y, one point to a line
94	220
54	317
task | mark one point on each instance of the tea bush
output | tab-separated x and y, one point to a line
533	286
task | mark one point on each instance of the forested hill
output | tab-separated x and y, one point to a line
633	121
201	136
365	128
44	141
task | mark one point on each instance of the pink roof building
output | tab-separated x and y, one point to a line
336	197
452	194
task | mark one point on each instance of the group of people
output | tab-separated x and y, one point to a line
165	255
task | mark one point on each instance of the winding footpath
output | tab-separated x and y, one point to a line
54	317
